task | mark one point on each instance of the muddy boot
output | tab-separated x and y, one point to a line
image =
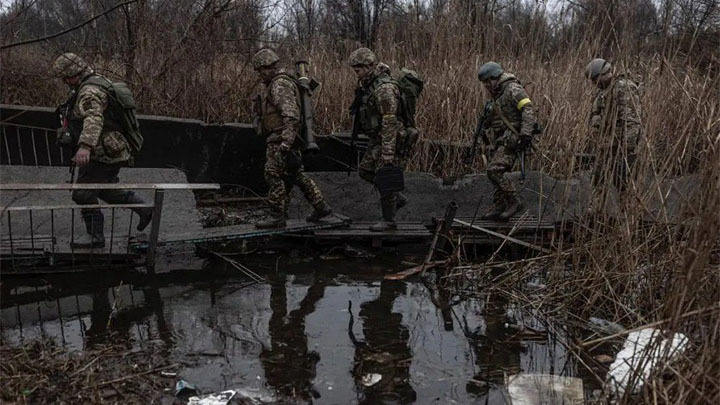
402	201
275	220
145	214
514	206
319	212
388	212
95	237
494	213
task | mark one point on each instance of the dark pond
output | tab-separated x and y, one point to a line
326	332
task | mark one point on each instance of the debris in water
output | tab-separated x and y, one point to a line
533	389
603	358
641	353
255	395
184	388
603	326
371	379
221	398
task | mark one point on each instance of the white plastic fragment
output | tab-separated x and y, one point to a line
640	354
546	389
221	398
371	379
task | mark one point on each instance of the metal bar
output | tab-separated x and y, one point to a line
105	186
32	232
12	251
112	232
505	237
17	132
52	235
155	229
32	138
127	251
72	236
47	147
7	148
69	206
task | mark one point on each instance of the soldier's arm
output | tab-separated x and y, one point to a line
525	106
387	97
283	95
91	103
628	106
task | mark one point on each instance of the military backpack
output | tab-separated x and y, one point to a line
121	109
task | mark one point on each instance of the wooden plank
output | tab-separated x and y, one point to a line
361	230
247	231
506	237
105	186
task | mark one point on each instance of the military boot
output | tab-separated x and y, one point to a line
145	214
275	220
319	212
389	208
514	206
402	201
94	226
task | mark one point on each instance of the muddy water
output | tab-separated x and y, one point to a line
331	332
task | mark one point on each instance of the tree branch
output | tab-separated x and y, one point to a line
57	34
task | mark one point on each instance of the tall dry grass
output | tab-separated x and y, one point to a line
625	263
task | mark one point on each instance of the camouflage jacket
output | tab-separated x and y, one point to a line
615	113
280	109
90	125
379	108
516	107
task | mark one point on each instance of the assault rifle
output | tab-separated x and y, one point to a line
64	136
354	112
479	132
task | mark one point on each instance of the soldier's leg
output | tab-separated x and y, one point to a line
314	196
496	174
124	196
277	190
93	217
370	162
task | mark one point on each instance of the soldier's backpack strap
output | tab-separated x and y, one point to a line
504	119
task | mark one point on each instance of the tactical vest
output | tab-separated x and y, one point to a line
109	122
369	115
507	104
272	119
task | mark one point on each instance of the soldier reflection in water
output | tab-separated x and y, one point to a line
385	350
290	367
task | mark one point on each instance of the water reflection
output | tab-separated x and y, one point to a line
290	367
384	353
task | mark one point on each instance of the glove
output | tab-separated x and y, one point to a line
387	160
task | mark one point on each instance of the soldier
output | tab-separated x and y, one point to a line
377	115
102	147
512	123
280	121
615	121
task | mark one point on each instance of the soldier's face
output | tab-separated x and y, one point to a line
604	80
361	71
266	72
490	85
71	81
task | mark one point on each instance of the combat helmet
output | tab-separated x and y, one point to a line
596	68
362	57
69	65
264	58
490	70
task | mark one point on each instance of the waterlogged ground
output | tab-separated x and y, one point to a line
322	332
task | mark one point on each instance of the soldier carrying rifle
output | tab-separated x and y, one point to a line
510	119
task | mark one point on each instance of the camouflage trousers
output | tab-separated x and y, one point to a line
614	165
502	162
372	161
281	179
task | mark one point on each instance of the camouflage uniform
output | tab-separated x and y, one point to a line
280	119
515	105
615	121
94	130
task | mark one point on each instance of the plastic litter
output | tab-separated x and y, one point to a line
184	388
221	398
642	352
371	379
534	389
